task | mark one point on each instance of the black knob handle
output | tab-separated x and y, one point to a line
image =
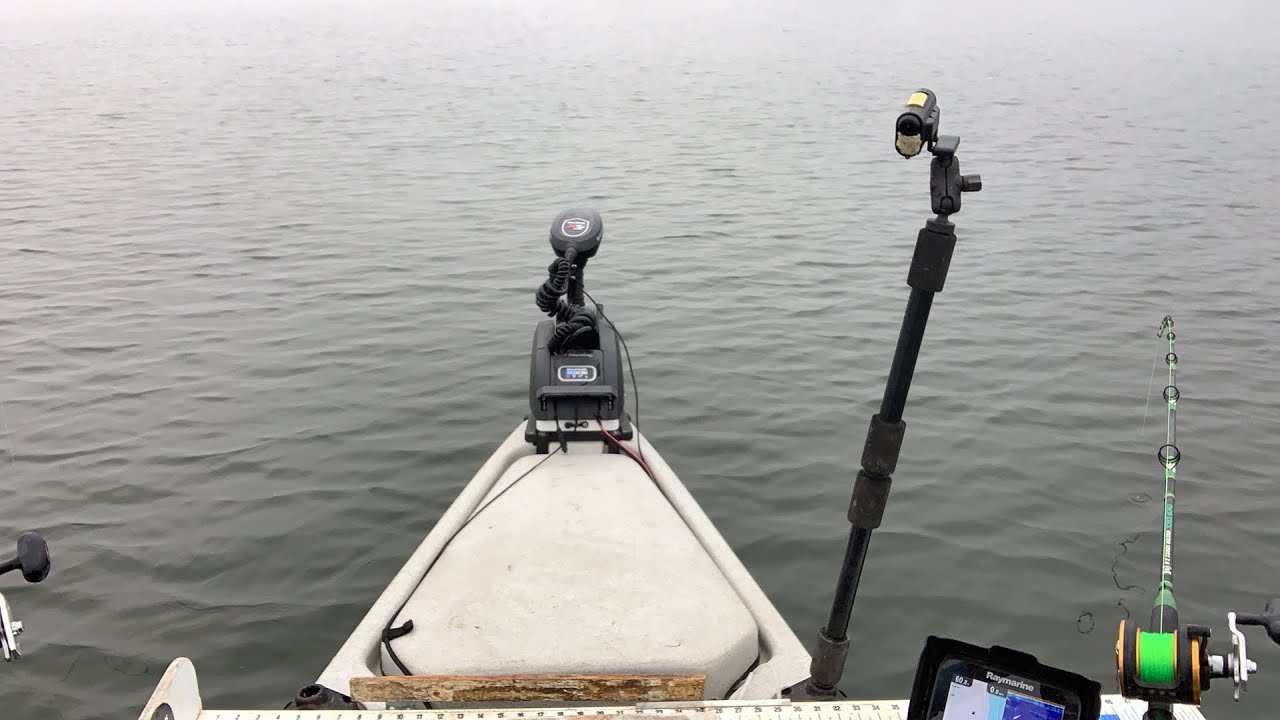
1269	619
970	183
32	558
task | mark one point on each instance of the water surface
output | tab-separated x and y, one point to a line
268	295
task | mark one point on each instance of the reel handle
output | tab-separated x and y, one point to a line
32	558
1269	619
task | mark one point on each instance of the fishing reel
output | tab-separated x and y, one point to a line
33	560
1164	668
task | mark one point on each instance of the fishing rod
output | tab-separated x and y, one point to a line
1164	612
1171	663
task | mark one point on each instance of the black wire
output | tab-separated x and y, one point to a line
494	499
635	389
408	625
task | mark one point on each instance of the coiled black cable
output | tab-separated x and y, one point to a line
574	322
548	296
580	326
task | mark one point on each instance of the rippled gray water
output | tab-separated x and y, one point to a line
267	286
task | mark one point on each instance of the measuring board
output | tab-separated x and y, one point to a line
1114	707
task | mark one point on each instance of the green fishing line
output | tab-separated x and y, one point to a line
1156	658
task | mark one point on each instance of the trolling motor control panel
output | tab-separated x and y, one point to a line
575	373
575	392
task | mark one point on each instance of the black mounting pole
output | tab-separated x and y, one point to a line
917	126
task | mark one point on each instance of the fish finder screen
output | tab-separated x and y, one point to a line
997	698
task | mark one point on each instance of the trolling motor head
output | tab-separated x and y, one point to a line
575	378
579	230
33	560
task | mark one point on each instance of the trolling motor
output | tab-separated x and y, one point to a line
575	375
33	560
1170	663
915	129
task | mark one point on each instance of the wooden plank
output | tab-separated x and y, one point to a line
516	688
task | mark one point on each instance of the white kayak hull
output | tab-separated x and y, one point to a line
782	659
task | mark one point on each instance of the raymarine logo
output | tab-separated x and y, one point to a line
1010	682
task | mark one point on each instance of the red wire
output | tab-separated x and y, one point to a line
627	450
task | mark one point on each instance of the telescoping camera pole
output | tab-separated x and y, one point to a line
916	129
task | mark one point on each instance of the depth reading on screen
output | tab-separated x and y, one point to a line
996	697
